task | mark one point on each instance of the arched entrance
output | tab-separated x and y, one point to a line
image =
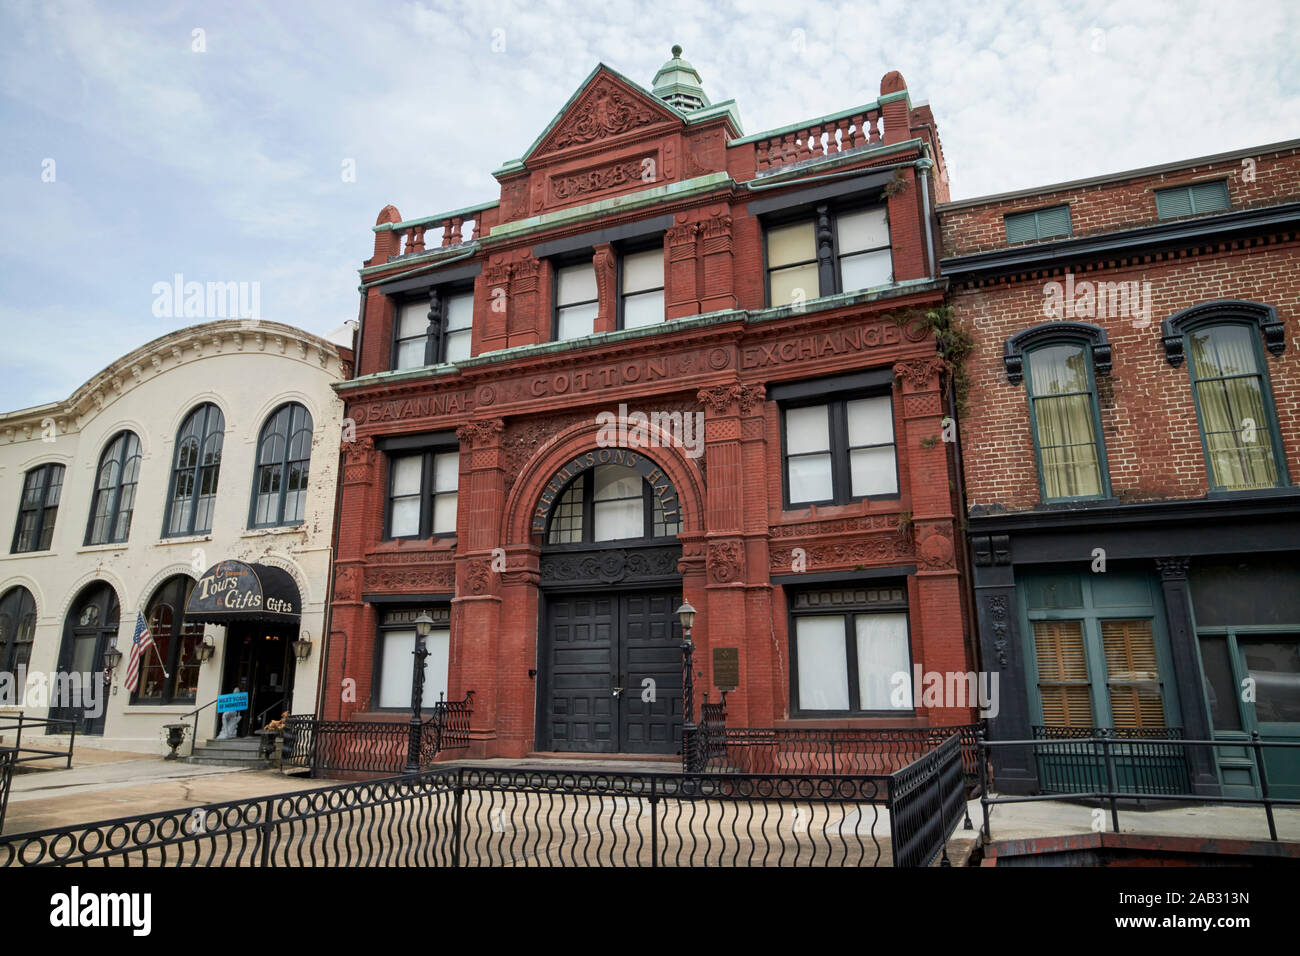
610	665
89	630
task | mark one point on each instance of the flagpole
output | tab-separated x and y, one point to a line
154	645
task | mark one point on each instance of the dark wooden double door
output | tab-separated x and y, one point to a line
613	673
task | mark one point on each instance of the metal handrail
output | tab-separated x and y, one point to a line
194	734
38	753
1112	794
258	719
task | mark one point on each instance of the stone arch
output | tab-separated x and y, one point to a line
155	582
98	576
32	587
580	438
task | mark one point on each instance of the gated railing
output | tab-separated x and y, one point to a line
17	723
469	816
1094	770
1145	761
373	746
824	751
7	755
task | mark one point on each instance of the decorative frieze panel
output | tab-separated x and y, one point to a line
877	550
612	566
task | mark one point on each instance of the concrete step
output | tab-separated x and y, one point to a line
214	761
235	752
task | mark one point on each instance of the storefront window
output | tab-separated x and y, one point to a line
396	662
169	672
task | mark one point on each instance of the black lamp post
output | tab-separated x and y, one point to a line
686	614
423	624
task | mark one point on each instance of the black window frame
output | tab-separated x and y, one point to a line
435	608
587	541
283	465
426	448
18	605
583	257
847	612
126	436
207	408
632	248
830	280
837	421
47	515
435	334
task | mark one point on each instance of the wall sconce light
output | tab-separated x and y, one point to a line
112	658
206	650
302	646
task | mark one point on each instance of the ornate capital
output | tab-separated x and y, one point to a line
725	561
720	398
920	374
478	577
484	432
1172	569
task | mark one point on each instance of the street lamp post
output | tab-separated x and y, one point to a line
423	624
686	614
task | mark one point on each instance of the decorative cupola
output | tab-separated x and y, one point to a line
678	85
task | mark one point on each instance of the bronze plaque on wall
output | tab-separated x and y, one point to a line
726	668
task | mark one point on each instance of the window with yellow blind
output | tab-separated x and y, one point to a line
1132	674
1063	684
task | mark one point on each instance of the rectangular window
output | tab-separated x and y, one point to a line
1193	200
422	493
415	339
1038	224
1063	685
575	301
848	663
840	451
397	667
1062	405
38	508
642	288
863	256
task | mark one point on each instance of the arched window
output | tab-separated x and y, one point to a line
114	499
283	459
195	470
1059	362
89	630
171	675
609	503
17	629
38	508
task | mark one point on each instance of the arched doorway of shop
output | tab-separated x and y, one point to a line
89	630
609	675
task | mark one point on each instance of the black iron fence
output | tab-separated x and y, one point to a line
1107	767
45	726
1145	759
469	816
373	746
7	755
826	751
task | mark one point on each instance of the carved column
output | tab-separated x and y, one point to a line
719	285
1187	670
477	638
492	295
528	313
825	249
680	294
606	288
352	621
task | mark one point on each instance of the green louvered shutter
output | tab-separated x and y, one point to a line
1053	222
1021	226
1210	197
1172	203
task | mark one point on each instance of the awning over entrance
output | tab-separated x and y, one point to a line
233	591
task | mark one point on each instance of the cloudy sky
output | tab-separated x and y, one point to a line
134	148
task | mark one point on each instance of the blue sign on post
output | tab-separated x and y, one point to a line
230	702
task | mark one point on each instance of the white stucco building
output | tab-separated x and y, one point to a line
214	443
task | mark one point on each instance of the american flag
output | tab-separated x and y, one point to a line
141	641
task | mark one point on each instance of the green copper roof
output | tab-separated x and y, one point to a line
678	83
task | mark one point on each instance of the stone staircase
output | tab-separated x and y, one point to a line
236	752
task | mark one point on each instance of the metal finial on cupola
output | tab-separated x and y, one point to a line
678	84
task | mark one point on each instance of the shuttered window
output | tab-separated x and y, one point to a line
1132	674
1038	224
1063	684
1196	199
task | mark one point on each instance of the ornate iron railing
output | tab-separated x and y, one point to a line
1143	760
470	816
7	757
825	751
926	799
373	746
44	725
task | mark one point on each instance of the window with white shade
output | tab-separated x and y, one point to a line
610	503
848	650
418	342
395	665
839	451
422	493
575	301
859	241
641	288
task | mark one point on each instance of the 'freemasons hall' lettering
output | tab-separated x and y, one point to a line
659	483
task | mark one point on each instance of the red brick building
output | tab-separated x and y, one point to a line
1131	445
646	263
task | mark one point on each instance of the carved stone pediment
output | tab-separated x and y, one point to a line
604	110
